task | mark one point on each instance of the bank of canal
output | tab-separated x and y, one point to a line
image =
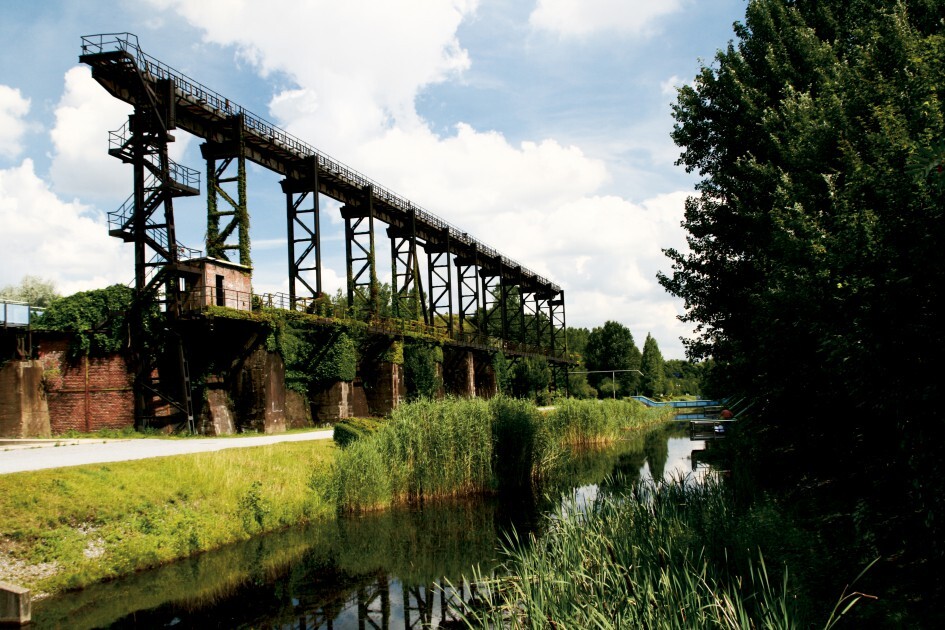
393	568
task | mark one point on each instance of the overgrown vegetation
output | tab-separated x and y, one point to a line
673	555
466	446
98	320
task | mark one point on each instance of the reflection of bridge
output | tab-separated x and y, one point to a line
381	605
462	290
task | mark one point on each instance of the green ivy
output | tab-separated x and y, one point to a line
420	370
98	319
394	354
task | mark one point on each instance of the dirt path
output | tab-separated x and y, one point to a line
23	455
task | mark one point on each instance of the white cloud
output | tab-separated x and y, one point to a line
358	64
358	68
579	18
81	166
13	108
66	242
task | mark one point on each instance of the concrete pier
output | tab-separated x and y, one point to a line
14	605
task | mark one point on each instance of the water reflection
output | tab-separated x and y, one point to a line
389	570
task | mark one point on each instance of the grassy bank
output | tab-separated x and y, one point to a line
667	556
69	527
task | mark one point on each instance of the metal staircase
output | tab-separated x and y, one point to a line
162	375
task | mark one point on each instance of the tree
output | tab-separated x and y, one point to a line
577	383
651	364
33	290
815	265
611	347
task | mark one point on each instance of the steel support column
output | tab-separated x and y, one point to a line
303	237
220	157
359	250
559	339
440	282
407	296
467	294
491	313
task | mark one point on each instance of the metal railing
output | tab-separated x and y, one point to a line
17	314
202	95
203	297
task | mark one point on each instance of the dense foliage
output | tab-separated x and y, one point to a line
815	270
421	375
653	380
98	319
611	347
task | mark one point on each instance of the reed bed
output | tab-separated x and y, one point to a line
643	561
458	447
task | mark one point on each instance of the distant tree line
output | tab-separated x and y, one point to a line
608	363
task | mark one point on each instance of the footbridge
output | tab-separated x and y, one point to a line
463	291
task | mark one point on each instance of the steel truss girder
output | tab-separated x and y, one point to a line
359	250
304	237
220	157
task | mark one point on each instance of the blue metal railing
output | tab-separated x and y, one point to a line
16	314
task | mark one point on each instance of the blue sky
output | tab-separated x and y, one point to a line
541	127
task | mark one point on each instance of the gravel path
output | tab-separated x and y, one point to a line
22	455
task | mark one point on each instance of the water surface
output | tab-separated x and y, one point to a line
403	568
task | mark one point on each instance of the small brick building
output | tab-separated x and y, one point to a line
214	282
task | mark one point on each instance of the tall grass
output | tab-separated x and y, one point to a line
641	561
427	449
584	422
457	447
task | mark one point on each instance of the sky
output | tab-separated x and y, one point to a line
541	127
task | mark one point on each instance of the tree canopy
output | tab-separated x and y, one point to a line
651	364
611	347
814	269
33	290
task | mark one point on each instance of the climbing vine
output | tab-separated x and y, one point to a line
97	319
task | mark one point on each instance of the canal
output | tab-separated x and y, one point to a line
403	568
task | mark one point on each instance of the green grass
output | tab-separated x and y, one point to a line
101	521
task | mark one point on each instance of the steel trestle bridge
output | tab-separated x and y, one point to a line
469	290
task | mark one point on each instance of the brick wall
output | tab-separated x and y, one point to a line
87	394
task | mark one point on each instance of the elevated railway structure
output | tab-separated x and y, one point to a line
471	295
